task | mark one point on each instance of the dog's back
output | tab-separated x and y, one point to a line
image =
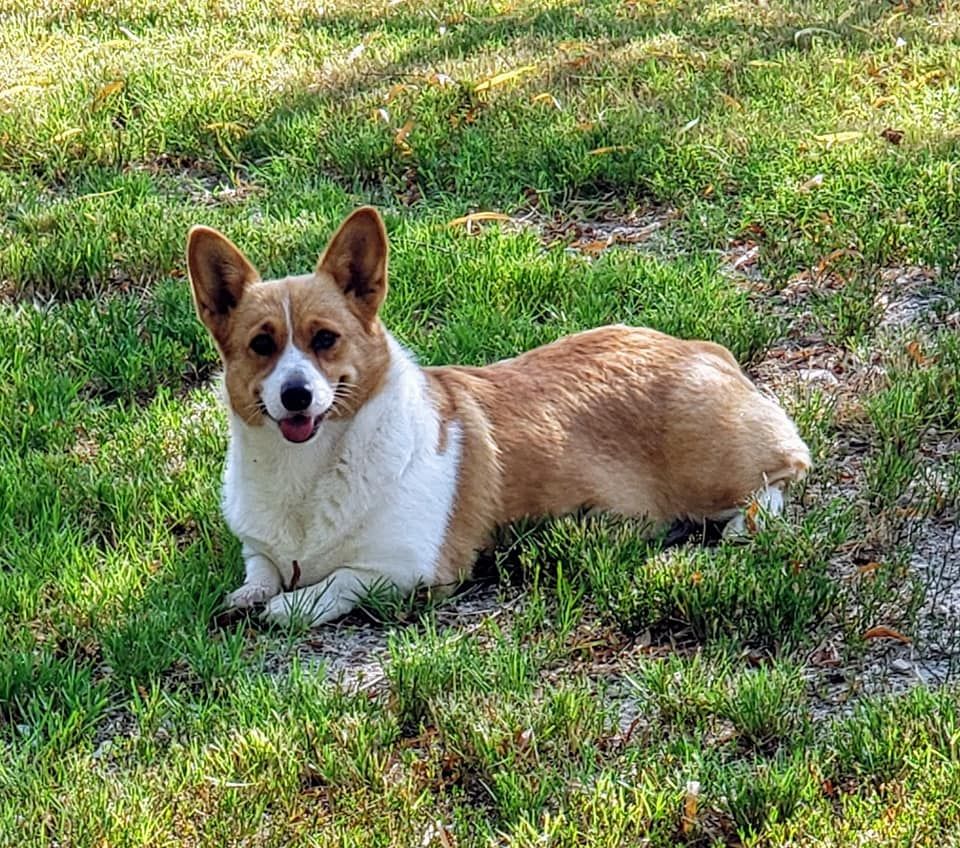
621	419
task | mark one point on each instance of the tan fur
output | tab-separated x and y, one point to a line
236	306
621	419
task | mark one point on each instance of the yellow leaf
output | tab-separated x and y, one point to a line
229	127
546	97
732	102
504	77
616	148
478	216
70	133
763	63
107	92
838	138
396	90
400	137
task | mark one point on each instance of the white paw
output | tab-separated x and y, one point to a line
249	595
278	609
736	527
751	519
312	606
289	606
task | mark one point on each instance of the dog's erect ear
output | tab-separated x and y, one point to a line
357	259
219	272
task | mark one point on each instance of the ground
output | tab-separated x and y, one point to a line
777	176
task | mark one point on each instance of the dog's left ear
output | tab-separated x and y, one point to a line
357	259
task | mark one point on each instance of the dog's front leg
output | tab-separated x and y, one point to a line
336	595
261	583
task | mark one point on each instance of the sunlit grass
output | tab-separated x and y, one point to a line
609	673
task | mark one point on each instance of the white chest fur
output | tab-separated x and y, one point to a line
371	492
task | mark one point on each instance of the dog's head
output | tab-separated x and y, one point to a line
299	349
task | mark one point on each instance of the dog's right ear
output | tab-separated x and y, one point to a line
219	273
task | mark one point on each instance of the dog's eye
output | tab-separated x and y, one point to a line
323	340
262	345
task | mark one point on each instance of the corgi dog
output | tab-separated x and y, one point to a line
349	465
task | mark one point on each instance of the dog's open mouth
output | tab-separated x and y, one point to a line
299	428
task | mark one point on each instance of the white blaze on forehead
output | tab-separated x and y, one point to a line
295	366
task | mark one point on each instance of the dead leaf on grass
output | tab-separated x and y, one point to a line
881	631
731	102
70	133
502	78
614	148
469	220
594	248
845	137
547	98
892	135
396	90
400	137
916	353
814	182
105	93
691	799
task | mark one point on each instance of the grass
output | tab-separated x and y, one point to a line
598	674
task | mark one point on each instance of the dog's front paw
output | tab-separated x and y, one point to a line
278	609
293	606
249	595
311	606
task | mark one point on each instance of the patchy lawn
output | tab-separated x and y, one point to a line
779	177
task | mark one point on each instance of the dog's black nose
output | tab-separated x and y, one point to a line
295	397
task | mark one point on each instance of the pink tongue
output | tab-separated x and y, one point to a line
297	429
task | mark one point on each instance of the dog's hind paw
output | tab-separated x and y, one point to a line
751	519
